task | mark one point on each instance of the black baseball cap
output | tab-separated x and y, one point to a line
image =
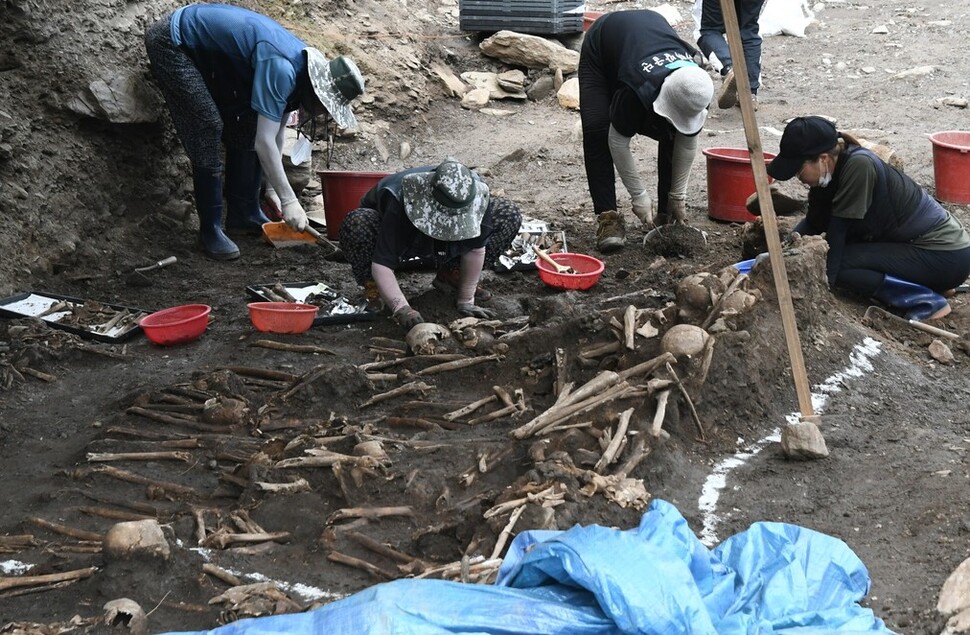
804	138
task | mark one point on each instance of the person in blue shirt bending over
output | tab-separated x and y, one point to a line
231	76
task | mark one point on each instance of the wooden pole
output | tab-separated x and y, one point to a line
733	33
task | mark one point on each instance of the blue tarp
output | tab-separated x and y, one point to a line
657	579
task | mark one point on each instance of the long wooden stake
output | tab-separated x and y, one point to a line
733	33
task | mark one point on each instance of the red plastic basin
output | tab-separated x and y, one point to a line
177	325
282	317
342	191
588	271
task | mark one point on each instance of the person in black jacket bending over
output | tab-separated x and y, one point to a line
637	76
888	239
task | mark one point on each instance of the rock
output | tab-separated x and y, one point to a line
475	99
119	99
136	539
880	30
490	82
512	81
940	352
956	102
568	95
530	51
955	594
454	86
802	440
919	71
541	88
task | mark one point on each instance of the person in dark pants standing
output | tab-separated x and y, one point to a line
715	48
636	76
231	76
888	239
442	213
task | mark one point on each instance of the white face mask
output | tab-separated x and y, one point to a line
825	179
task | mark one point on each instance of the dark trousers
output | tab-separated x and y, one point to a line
359	230
712	38
864	265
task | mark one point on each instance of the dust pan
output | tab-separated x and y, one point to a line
279	234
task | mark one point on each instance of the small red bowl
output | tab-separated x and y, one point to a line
177	325
282	317
588	271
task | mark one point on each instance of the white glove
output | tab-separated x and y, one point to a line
294	215
643	208
273	199
677	209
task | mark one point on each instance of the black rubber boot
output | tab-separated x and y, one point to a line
208	202
914	300
244	177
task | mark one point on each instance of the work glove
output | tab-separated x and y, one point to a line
407	317
272	199
643	208
294	215
677	210
470	310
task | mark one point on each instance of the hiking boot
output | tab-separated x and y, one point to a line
610	232
727	95
447	282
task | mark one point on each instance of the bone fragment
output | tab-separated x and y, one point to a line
220	573
130	477
372	569
103	457
222	539
470	408
114	514
64	530
690	403
263	373
38	580
716	309
616	443
504	395
299	485
457	364
293	348
506	532
410	387
37	374
658	416
629	326
560	370
492	416
371	513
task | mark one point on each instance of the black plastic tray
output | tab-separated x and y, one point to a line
9	308
300	288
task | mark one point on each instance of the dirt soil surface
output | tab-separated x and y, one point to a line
86	201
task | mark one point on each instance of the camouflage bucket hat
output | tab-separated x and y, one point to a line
447	203
336	83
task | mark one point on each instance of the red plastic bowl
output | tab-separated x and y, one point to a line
588	271
177	325
282	317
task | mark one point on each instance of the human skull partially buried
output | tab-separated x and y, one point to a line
427	338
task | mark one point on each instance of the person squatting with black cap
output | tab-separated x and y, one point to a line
636	76
888	239
231	75
440	213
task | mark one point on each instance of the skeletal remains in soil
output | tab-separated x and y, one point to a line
237	420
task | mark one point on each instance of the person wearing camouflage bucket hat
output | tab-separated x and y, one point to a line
446	204
336	83
232	76
442	216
